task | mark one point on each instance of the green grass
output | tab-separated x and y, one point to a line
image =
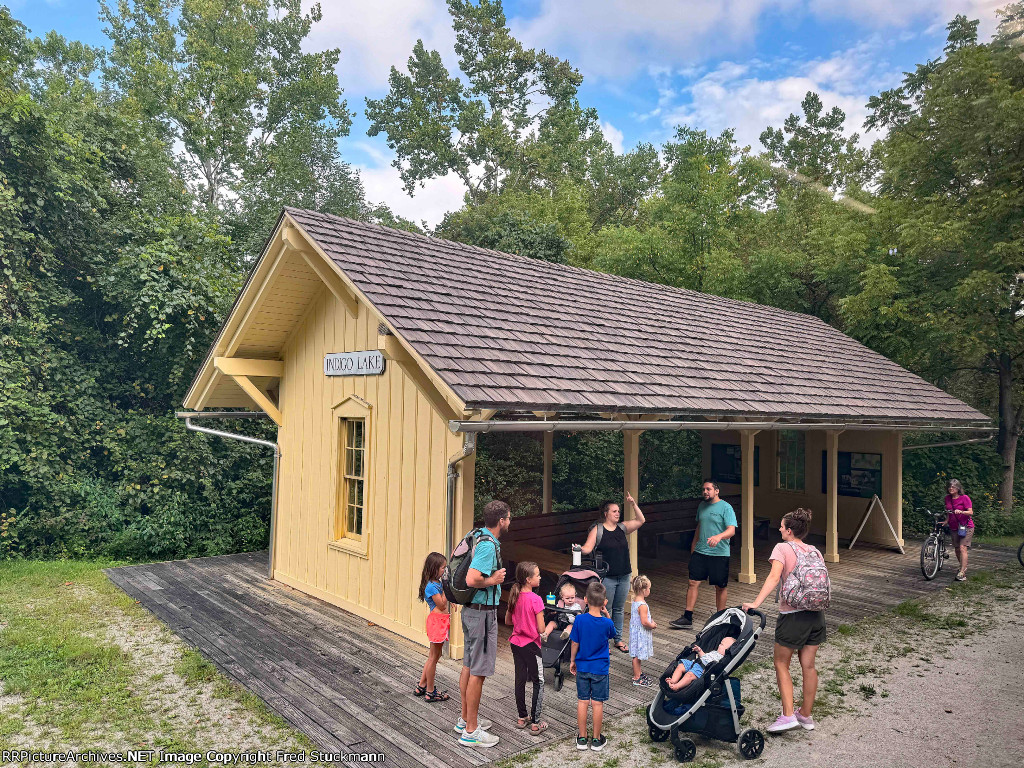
998	541
71	681
76	685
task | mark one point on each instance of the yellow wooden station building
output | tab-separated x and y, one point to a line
382	355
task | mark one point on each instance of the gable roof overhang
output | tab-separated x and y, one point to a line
244	365
489	331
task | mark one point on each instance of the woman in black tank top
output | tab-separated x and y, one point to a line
614	549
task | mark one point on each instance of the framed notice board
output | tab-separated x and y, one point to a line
727	464
860	474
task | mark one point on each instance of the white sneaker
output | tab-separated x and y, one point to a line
482	724
478	738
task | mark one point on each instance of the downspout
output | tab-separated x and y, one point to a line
468	447
245	439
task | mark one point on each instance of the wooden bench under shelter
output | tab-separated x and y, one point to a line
557	531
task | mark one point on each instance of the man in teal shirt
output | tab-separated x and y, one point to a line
480	625
709	553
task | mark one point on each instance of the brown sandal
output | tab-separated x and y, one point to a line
522	722
538	728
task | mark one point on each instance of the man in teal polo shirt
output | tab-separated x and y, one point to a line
709	553
480	624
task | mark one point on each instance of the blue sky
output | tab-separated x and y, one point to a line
648	65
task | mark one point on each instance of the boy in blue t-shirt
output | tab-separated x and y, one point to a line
589	662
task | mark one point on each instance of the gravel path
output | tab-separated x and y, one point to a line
893	692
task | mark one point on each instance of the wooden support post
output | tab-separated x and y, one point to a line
746	574
892	483
631	483
465	504
831	553
549	442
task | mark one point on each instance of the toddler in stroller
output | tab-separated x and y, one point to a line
555	647
697	692
570	605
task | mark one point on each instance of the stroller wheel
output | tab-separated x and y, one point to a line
750	743
656	733
686	750
559	679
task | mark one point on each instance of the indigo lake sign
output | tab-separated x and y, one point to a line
354	363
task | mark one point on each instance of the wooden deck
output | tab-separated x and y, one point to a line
348	684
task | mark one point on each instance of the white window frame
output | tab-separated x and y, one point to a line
351	410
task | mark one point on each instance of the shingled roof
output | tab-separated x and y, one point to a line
509	332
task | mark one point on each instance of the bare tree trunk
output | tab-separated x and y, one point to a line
1009	432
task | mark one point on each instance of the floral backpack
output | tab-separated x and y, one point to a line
808	587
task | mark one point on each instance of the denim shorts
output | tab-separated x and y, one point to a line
692	666
591	687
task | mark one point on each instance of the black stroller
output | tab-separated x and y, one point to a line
555	651
711	704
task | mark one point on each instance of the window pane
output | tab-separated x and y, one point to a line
358	484
352	491
357	464
357	526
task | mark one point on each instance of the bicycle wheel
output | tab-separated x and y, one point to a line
1020	555
931	557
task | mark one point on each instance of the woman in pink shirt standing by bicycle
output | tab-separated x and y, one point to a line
961	524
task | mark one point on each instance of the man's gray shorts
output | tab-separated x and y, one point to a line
481	636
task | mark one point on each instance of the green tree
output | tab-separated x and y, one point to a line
817	226
952	162
688	232
109	285
516	125
257	118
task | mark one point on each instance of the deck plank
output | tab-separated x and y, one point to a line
347	683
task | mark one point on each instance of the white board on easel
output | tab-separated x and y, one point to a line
875	501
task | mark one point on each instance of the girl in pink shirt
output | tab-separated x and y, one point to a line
525	612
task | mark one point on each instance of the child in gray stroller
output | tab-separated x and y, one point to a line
555	646
697	693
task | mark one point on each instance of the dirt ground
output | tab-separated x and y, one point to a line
937	683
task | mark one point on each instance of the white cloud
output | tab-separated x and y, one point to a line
616	39
886	13
436	198
374	36
613	135
743	98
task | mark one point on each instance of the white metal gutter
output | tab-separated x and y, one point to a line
671	426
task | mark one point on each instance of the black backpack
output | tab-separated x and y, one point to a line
453	577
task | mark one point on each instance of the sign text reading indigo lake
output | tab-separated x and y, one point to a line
354	364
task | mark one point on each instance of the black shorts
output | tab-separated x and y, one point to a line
795	630
711	568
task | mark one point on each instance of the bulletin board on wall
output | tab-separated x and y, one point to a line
860	474
727	463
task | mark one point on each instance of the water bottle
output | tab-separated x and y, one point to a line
577	555
551	598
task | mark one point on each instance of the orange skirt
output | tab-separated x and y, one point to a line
437	627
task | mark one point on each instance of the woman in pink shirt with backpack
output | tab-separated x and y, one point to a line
803	596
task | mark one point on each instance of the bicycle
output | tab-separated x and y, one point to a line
933	551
